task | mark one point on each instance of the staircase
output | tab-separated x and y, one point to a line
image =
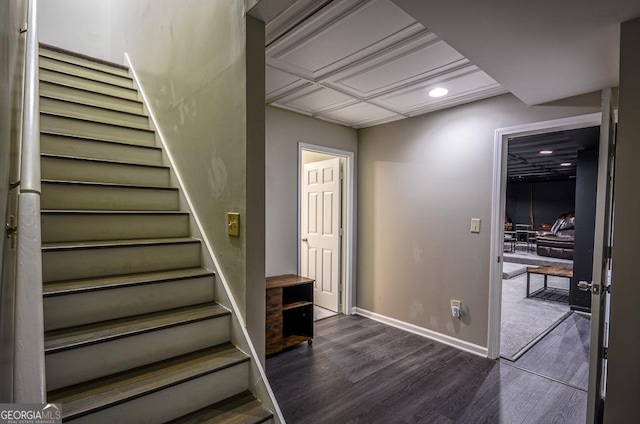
133	333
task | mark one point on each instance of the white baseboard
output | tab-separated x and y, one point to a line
421	331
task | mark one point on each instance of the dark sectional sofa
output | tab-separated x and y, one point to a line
558	242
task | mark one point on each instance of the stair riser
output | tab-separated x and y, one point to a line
87	227
94	74
70	126
175	401
86	363
69	146
44	52
101	262
88	197
90	98
89	112
64	169
97	86
101	305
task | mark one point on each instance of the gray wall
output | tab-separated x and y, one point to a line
622	404
421	180
86	24
284	130
191	59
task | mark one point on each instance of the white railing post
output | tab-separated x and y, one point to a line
29	369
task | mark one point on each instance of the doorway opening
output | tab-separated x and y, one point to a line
523	208
326	231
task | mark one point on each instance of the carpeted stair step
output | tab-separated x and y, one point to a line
71	195
52	52
158	392
85	301
77	146
71	80
97	113
81	225
64	124
243	408
83	95
77	354
118	257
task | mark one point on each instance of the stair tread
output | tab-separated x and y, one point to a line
115	96
108	212
69	338
48	49
57	71
115	243
243	408
81	137
105	122
101	283
101	393
96	70
96	107
109	184
107	161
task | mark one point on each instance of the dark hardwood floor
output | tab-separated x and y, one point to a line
362	371
563	354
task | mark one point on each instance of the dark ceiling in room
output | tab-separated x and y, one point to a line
525	163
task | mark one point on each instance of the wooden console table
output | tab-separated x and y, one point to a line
289	312
547	270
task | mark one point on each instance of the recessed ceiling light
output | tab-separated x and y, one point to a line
438	92
565	164
546	152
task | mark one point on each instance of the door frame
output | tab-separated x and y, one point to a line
348	294
499	194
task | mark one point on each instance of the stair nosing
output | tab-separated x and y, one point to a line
90	106
106	161
166	382
73	87
109	184
100	140
105	244
88	68
111	124
87	79
102	283
247	398
52	48
133	326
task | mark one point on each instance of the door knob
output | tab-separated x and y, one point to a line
305	239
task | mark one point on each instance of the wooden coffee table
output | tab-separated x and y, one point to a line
547	270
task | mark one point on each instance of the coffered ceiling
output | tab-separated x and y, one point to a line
364	62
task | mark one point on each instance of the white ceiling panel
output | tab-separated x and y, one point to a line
415	97
346	36
318	99
359	113
362	63
423	63
279	81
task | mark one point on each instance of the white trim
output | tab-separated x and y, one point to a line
205	240
501	139
424	332
350	254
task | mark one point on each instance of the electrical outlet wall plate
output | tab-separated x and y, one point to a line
456	308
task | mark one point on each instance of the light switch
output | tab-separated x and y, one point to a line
233	224
475	225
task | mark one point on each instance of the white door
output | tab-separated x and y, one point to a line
320	248
601	261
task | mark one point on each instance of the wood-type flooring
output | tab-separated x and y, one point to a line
362	371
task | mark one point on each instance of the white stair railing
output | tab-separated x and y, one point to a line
29	370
